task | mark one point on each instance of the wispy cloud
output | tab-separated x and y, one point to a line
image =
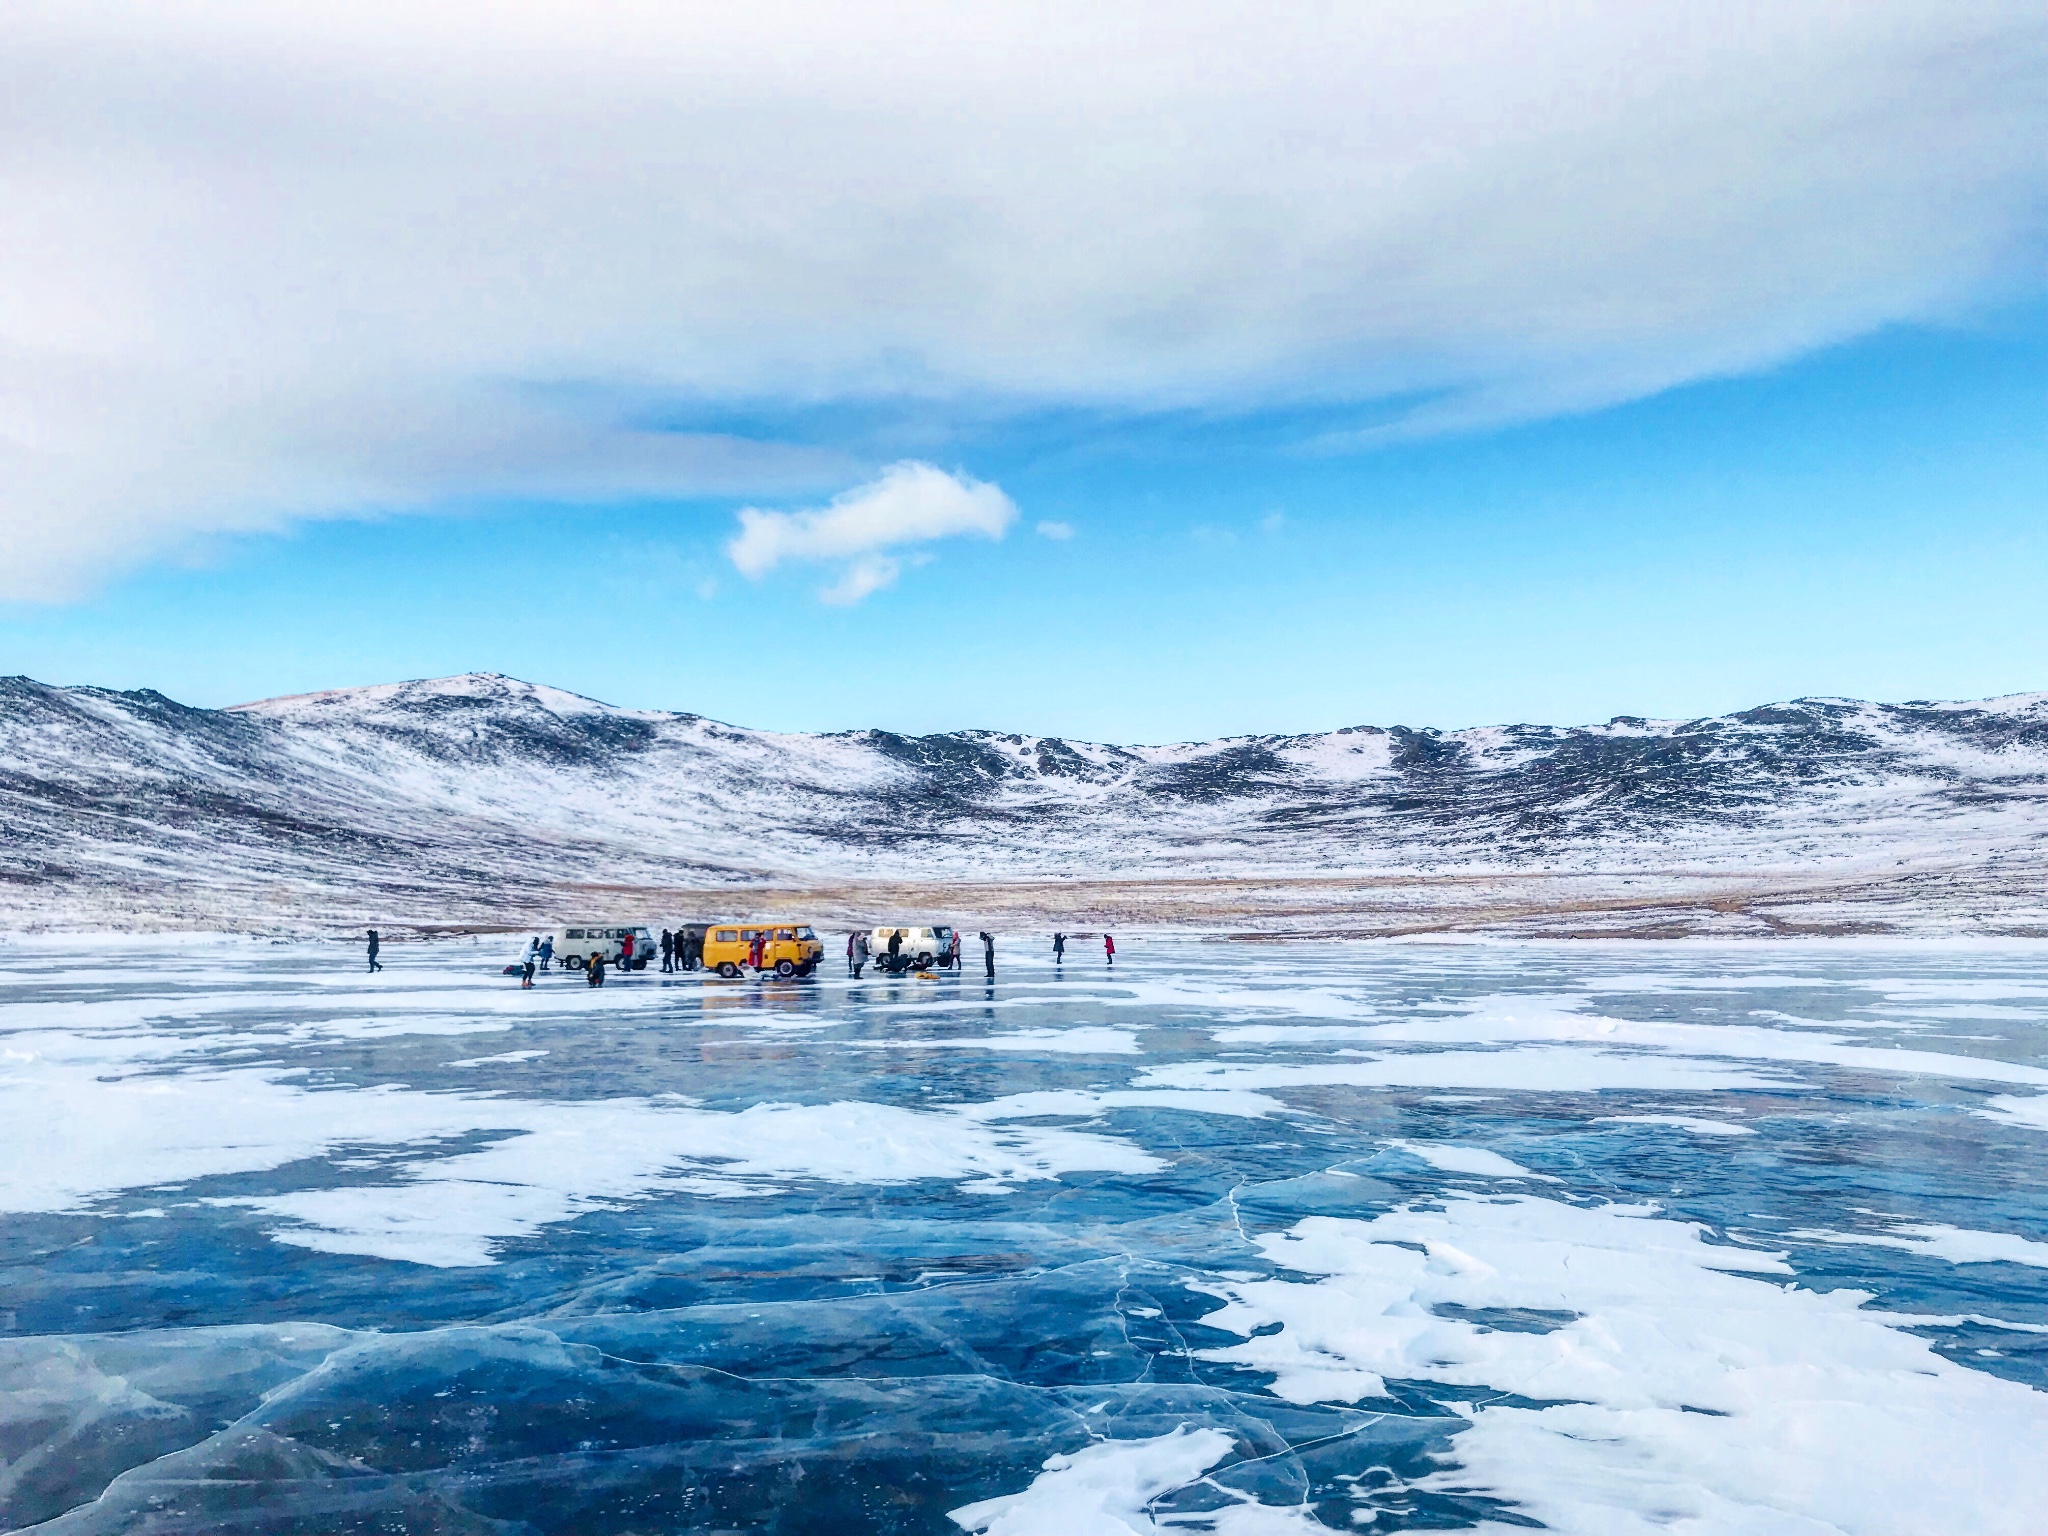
907	504
239	297
1060	532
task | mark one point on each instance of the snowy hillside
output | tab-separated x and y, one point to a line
475	799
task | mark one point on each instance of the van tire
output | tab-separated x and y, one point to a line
785	969
727	969
924	962
807	967
573	962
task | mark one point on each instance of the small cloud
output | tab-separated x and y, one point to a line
908	503
1273	522
870	573
707	589
1211	537
1060	531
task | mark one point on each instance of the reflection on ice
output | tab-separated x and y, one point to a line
1236	1239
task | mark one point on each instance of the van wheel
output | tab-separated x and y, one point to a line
572	962
924	962
727	969
807	967
785	969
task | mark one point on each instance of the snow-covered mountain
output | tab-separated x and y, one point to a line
481	799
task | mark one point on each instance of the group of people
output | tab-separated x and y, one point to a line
681	950
540	954
859	952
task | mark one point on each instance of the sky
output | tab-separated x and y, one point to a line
1154	373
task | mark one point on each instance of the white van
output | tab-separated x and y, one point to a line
920	947
574	947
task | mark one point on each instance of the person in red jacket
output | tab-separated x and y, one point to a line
754	955
626	951
1109	949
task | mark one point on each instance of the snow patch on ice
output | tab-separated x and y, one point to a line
1958	1245
1690	1391
1101	1490
484	1061
1084	1040
1698	1125
1476	1160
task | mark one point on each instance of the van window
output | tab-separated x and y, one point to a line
805	933
573	933
724	936
784	933
750	934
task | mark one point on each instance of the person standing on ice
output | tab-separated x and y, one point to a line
988	952
1059	949
755	950
595	973
626	951
526	966
1109	949
374	946
547	951
849	956
668	951
860	954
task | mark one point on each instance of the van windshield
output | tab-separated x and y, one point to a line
806	933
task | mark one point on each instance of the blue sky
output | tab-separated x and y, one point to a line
1865	521
1481	362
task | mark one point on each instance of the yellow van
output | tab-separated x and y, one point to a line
792	949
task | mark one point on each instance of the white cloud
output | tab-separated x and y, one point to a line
268	262
1059	531
870	573
908	503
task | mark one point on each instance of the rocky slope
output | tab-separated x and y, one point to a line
481	799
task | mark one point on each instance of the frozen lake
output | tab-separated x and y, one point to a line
1606	1238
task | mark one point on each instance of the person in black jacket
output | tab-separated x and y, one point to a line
668	951
374	946
988	952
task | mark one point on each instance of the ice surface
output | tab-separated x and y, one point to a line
1699	1125
1477	1160
1618	1238
1684	1389
1101	1490
1956	1244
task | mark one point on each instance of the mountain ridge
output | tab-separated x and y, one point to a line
458	801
